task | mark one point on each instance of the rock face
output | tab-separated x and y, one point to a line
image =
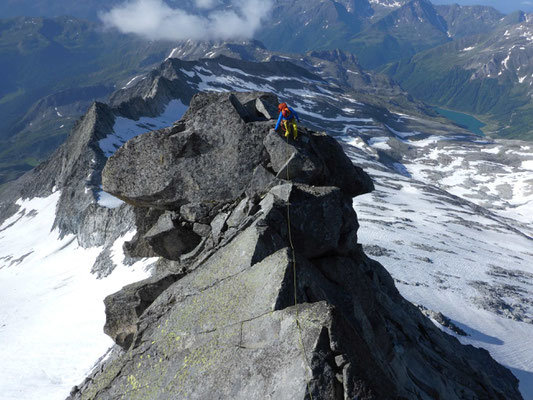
226	325
75	170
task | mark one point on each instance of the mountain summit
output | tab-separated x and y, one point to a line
262	289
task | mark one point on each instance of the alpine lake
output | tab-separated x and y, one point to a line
464	120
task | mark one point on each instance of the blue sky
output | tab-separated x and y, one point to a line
505	6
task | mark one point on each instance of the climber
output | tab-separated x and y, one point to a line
289	117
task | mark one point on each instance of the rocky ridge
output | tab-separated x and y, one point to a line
325	110
75	168
218	319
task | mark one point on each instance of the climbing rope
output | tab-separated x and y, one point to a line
296	305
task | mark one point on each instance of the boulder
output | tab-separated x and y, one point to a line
211	160
315	159
124	308
262	181
341	171
321	218
259	105
218	225
171	239
302	165
195	212
239	213
138	246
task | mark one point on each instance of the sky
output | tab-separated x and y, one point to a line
505	6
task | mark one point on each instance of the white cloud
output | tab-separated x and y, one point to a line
154	19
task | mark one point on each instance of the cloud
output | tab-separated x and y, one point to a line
154	19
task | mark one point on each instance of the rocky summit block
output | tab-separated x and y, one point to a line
211	154
277	300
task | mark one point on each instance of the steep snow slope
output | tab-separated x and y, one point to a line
125	129
454	257
52	306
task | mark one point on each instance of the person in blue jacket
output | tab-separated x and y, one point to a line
289	117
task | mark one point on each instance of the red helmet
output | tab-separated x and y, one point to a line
282	106
286	112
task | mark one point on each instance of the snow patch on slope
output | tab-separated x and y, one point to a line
52	306
107	200
126	129
528	165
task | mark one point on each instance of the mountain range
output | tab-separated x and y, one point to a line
490	75
410	158
54	68
173	186
51	71
450	232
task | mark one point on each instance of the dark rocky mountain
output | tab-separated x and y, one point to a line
413	27
249	50
464	21
51	70
377	31
338	68
384	7
490	76
301	26
211	321
296	26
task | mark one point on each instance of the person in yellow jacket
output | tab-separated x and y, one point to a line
289	117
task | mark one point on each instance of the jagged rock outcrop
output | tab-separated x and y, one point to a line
174	163
124	308
75	170
226	326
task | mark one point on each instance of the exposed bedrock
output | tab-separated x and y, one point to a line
211	154
221	322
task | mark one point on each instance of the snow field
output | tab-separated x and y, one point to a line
126	129
52	317
436	246
492	181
